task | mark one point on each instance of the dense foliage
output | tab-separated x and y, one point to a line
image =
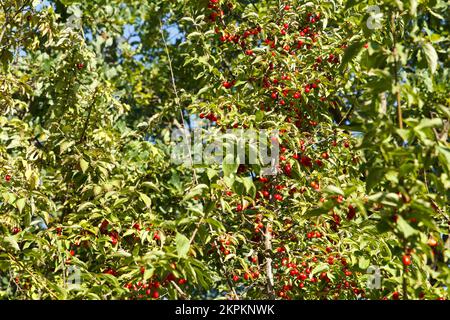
92	206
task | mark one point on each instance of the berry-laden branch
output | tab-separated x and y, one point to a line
227	276
38	282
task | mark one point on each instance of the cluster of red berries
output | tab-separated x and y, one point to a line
216	12
211	117
79	66
113	234
143	290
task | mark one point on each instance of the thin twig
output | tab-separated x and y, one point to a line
37	281
177	100
86	122
395	54
182	294
230	284
268	262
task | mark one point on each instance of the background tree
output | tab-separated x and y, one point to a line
90	93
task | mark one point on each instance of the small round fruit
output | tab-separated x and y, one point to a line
432	242
406	260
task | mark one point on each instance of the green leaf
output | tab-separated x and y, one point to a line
350	53
196	191
321	267
429	123
194	34
182	244
363	263
431	56
20	204
84	165
249	186
405	228
148	273
444	156
65	145
11	242
211	173
230	165
374	177
334	190
350	3
146	199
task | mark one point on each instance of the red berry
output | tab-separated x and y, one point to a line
288	169
227	85
306	161
263	179
113	240
279	197
432	242
407	260
351	212
8	178
137	226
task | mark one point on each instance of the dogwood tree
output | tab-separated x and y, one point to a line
96	204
